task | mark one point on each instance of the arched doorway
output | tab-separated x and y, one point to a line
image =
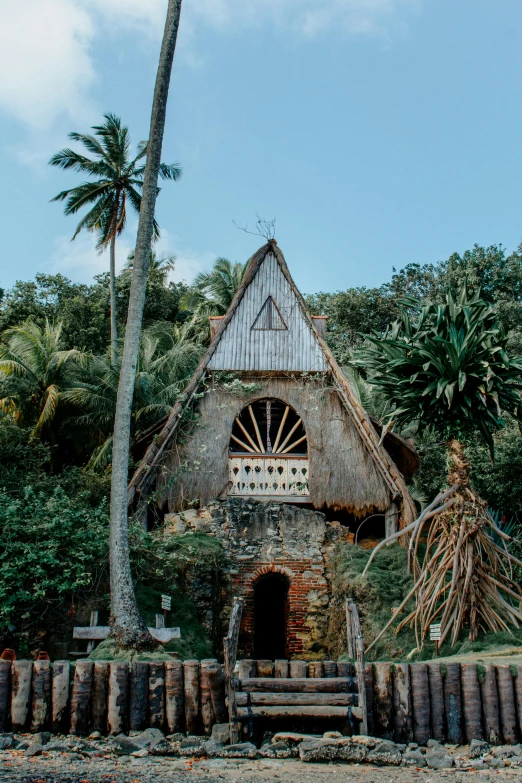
270	614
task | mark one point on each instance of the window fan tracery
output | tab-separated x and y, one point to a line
267	427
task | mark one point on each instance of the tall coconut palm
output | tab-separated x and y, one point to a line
34	356
446	368
127	626
212	292
116	180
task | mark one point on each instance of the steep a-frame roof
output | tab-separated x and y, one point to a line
227	352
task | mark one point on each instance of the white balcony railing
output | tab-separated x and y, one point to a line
275	476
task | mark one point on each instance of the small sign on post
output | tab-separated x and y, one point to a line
166	605
435	637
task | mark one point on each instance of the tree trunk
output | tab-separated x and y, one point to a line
114	322
127	626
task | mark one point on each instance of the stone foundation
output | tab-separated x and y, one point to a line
260	538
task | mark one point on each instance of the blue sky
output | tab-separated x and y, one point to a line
376	132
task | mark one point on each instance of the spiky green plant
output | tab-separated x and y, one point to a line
446	368
116	181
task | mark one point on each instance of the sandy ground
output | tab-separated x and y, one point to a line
506	654
66	770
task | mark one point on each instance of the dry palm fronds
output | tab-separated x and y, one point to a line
465	579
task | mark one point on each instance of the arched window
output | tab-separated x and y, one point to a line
268	453
268	427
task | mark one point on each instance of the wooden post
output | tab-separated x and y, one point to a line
298	669
329	669
360	666
191	678
453	703
281	668
100	694
247	669
81	698
21	675
207	709
41	702
391	520
175	695
350	642
471	703
117	712
139	696
402	713
436	701
518	697
383	705
368	681
156	695
231	641
93	622
506	696
5	686
60	697
216	678
265	668
315	669
420	698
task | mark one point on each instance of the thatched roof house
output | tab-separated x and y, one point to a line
289	428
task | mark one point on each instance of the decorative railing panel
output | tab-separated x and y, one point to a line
275	476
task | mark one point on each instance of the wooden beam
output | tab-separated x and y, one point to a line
296	684
296	712
296	699
242	443
252	416
280	430
296	425
293	445
247	434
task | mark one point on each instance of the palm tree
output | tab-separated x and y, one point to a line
159	266
127	626
212	292
446	368
167	358
116	180
34	357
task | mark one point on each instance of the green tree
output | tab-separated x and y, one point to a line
211	293
33	359
117	180
446	367
128	628
166	360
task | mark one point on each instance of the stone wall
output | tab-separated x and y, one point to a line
261	538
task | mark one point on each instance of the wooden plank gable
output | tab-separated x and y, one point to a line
275	339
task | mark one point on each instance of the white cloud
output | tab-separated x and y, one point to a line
188	261
45	45
79	259
308	17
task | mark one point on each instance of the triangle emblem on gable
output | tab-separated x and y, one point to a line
269	318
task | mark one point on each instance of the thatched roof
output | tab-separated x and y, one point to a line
145	473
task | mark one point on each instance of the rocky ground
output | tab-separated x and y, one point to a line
150	757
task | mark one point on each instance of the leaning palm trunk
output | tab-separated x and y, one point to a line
127	626
466	579
112	283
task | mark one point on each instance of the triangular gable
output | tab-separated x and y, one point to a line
269	318
243	347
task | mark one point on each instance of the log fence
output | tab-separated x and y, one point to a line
449	702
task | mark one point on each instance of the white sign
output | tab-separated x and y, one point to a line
435	632
166	602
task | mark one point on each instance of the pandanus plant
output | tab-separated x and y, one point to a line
446	368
